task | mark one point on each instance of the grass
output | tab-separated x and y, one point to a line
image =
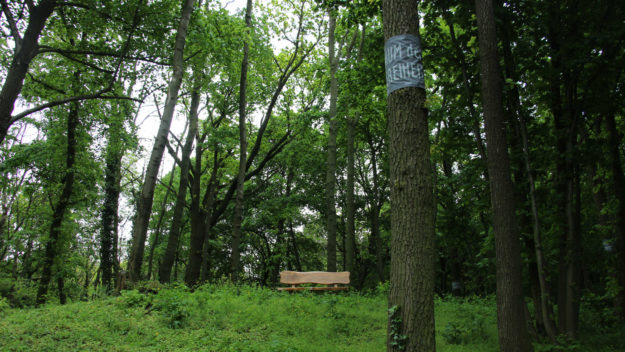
229	318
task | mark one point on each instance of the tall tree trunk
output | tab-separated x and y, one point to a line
568	285
159	222
512	330
53	246
376	201
331	160
208	203
350	238
196	215
614	141
235	259
25	50
112	190
411	295
115	150
144	206
514	102
176	223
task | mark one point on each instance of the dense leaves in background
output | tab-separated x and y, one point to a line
82	80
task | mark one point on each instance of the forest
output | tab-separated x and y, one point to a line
194	143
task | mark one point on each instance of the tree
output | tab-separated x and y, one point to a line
176	223
26	48
144	206
411	296
331	159
54	246
235	265
511	325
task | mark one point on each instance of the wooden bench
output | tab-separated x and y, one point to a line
294	278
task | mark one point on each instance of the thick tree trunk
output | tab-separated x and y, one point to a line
144	206
545	309
176	222
331	160
235	259
25	51
52	245
411	294
512	330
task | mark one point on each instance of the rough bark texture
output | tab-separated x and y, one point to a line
331	161
512	330
235	259
412	205
25	51
53	245
144	206
176	222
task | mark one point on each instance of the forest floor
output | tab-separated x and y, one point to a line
229	318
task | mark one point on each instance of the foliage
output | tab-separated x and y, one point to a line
398	339
4	305
17	293
248	318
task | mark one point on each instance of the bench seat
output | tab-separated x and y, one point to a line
295	278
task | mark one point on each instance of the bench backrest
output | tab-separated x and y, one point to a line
314	277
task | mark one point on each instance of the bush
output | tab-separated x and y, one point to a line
133	298
469	327
19	293
174	304
4	304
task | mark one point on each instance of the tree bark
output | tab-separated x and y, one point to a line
512	330
196	215
25	50
235	259
411	293
144	206
331	159
350	241
53	246
176	222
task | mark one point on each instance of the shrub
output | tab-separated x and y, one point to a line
19	293
470	327
174	307
4	304
133	298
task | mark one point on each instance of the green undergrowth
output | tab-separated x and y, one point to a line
231	318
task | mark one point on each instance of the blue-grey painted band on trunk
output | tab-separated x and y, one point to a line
402	58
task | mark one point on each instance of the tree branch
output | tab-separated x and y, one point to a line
47	49
98	95
14	31
46	85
